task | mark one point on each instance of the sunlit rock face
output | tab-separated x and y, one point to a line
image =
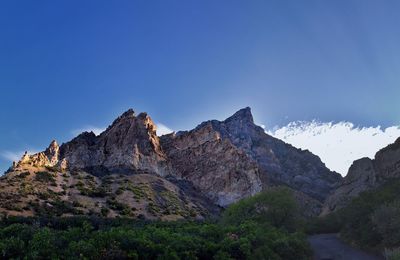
48	158
366	174
130	144
225	160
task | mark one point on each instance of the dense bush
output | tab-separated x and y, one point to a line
155	240
253	229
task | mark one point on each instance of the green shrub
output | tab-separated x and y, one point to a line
276	207
105	211
45	177
52	168
22	175
115	205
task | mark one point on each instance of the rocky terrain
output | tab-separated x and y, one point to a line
366	174
129	171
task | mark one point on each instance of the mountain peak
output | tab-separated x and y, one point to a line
130	113
243	114
53	144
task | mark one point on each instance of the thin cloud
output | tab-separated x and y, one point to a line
337	144
14	155
94	129
163	129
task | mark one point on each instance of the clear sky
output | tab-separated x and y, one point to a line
68	65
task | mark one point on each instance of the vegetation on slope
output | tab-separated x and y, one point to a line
261	227
41	192
370	221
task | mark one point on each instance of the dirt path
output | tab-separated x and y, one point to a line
328	246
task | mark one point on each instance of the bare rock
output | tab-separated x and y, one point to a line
48	158
214	165
130	144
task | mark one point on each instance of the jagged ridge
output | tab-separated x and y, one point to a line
225	160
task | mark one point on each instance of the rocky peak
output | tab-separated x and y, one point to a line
243	115
129	144
276	162
52	153
48	158
124	119
130	113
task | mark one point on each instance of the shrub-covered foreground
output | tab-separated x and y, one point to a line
261	234
370	221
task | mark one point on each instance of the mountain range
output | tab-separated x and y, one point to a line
130	171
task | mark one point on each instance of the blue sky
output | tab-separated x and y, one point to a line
67	65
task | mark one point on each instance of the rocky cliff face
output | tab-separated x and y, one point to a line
130	144
249	153
213	164
223	160
366	174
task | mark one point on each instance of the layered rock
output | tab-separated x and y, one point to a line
366	174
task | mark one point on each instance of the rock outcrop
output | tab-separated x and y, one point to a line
129	145
48	158
366	174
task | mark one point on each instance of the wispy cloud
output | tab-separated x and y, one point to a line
337	144
163	129
14	155
89	128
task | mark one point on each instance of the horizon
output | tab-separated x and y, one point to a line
72	66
